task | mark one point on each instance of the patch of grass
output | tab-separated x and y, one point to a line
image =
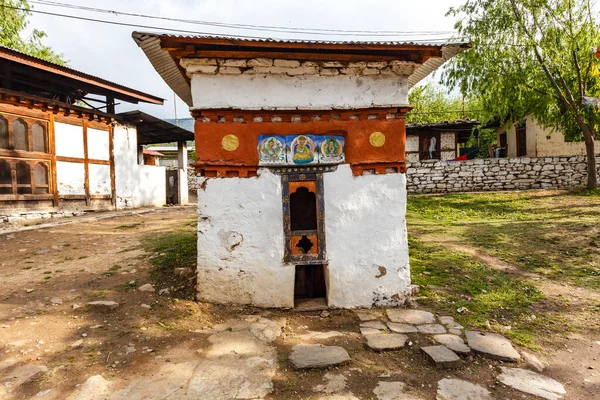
553	234
115	268
129	226
494	300
175	249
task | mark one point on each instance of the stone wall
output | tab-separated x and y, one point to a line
498	174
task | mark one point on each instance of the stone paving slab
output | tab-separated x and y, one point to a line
413	317
457	389
320	335
401	328
317	356
374	324
431	329
393	391
369	315
492	345
442	357
369	331
386	341
453	342
531	382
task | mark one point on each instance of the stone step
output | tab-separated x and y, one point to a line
442	357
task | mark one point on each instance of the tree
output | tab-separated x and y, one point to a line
14	16
532	57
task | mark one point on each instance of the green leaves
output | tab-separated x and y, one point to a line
13	22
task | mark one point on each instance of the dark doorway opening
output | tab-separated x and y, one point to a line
303	210
309	287
521	142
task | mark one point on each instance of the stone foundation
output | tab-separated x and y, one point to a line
25	217
497	174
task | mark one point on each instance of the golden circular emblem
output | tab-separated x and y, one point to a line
230	142
377	139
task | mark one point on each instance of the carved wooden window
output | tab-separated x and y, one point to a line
3	133
23	178
304	219
20	135
24	160
41	179
40	141
6	186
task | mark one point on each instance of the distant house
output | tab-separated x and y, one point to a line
58	157
529	139
437	141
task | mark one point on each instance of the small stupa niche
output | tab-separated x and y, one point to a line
300	156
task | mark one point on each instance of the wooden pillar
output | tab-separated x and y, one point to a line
111	147
86	165
52	150
110	104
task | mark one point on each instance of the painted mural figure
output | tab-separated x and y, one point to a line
331	150
271	150
303	150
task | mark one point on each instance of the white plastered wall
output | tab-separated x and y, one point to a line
70	176
68	140
136	185
367	248
301	92
240	242
549	142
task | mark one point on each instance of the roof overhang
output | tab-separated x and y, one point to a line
152	130
166	51
27	73
463	128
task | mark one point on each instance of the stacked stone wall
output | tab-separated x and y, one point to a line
219	66
498	174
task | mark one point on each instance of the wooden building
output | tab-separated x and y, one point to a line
438	141
300	155
57	153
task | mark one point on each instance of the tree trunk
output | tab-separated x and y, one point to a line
588	137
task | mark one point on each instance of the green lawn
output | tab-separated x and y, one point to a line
543	236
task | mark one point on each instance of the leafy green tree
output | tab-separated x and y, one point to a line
533	57
14	16
432	103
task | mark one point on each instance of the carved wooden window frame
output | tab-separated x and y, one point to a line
290	177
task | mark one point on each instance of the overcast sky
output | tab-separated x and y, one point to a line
109	52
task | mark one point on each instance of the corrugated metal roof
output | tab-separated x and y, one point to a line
444	124
35	62
174	76
299	41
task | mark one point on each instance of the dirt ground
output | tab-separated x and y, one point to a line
48	275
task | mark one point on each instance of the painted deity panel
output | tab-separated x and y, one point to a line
331	149
272	150
300	150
